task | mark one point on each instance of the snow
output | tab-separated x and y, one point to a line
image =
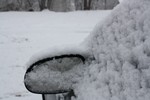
57	51
23	34
121	47
120	1
53	76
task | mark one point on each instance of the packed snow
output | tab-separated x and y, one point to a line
23	34
58	51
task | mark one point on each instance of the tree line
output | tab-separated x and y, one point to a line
56	5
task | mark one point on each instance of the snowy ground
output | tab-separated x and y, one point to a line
22	34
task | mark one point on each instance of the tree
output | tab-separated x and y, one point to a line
56	5
87	4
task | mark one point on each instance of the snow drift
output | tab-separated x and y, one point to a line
121	47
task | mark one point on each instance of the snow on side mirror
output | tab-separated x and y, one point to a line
53	75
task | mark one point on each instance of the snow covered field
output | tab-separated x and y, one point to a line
23	34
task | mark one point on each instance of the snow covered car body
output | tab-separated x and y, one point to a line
117	57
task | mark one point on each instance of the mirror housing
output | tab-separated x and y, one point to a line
54	75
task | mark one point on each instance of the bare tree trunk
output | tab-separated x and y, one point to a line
29	3
90	1
42	4
87	4
20	4
49	4
79	4
105	1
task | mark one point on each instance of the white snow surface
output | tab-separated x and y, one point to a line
120	1
58	51
23	34
121	47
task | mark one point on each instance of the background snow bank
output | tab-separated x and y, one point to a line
121	47
24	33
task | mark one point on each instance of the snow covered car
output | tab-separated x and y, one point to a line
113	63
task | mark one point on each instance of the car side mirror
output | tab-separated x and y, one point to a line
53	75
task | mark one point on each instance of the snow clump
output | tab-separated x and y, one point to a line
121	47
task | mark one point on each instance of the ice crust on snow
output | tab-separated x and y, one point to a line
121	47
